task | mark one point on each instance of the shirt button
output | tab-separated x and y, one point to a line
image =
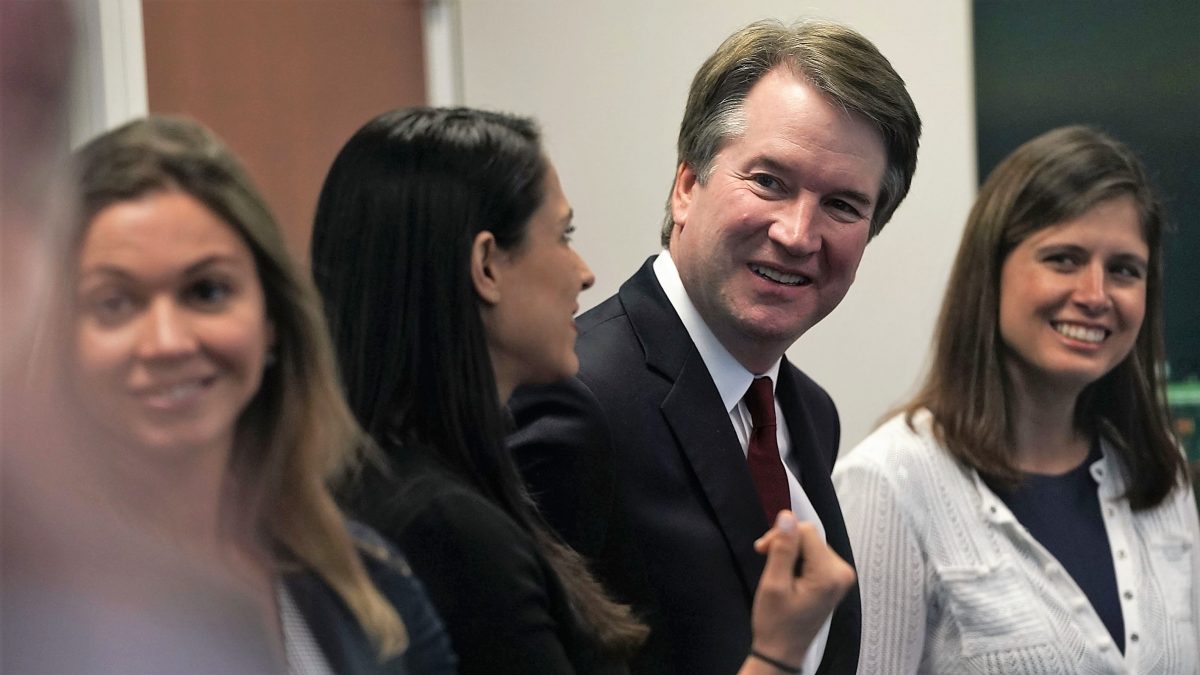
1128	595
1133	637
1121	554
1103	645
1109	512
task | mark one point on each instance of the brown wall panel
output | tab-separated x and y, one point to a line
284	82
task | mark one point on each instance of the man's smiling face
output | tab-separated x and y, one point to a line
770	242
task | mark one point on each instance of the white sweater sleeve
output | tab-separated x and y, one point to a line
891	568
1194	534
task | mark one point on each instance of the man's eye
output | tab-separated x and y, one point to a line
845	207
767	181
566	236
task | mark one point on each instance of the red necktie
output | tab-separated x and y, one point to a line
766	468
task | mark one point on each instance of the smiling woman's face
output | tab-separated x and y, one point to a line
1073	296
171	330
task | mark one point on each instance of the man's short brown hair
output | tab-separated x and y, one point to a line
833	58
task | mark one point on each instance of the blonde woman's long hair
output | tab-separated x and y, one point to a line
297	433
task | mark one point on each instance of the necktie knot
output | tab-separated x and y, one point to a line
760	401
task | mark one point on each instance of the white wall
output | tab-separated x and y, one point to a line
608	80
109	80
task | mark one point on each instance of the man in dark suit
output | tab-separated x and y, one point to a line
686	430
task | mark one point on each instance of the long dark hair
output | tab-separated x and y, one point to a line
391	248
1051	179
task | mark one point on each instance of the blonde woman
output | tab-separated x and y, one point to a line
198	362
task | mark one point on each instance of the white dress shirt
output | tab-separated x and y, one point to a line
732	380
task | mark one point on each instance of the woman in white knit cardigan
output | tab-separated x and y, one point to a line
1028	511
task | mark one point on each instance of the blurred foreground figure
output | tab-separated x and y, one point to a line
198	364
81	589
162	512
34	72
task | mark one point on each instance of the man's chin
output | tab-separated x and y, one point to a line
771	330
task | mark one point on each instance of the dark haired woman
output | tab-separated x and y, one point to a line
442	248
1029	510
209	409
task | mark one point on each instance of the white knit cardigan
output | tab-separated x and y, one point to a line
952	583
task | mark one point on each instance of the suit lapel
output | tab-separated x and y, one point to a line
809	456
813	426
699	422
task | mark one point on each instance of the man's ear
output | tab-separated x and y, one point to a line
681	193
485	267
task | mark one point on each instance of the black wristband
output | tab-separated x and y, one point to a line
785	667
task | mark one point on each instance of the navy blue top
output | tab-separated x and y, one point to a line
1063	514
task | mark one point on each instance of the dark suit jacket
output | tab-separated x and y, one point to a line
636	464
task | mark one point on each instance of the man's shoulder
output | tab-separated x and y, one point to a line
807	389
614	335
608	310
638	288
801	378
605	336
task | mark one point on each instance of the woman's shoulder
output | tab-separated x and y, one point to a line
903	440
442	499
417	495
437	519
904	456
482	570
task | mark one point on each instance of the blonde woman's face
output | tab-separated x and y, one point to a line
171	331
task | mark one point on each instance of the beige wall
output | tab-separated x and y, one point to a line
608	80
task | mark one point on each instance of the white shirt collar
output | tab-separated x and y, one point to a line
731	378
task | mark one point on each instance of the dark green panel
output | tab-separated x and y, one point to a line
1130	68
